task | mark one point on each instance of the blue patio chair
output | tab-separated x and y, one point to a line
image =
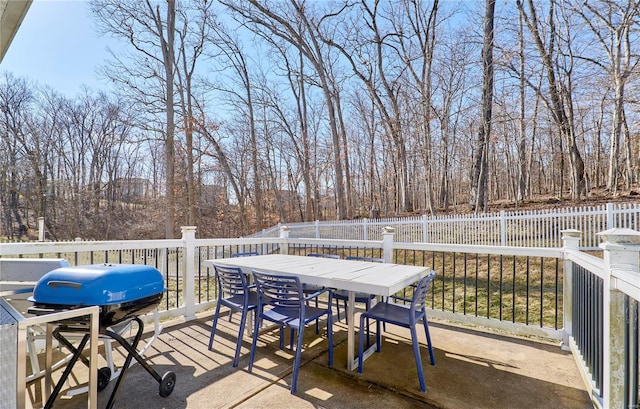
281	301
362	298
311	289
237	295
406	316
245	254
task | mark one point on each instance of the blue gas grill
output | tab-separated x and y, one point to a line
123	292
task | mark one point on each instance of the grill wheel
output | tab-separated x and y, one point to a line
167	384
104	377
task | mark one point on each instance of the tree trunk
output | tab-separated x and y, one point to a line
168	57
479	177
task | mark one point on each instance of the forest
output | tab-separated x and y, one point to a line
235	116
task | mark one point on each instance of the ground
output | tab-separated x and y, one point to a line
596	197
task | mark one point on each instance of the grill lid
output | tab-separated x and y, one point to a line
97	284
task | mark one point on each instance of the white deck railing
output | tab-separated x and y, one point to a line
192	288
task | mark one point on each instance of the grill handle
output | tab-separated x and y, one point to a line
72	284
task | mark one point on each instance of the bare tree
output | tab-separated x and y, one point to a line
300	33
16	105
296	126
416	46
147	74
192	34
236	59
613	23
560	101
479	178
366	53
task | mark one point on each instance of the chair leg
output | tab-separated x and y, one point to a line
254	341
378	337
318	321
338	308
384	324
243	321
291	335
344	304
330	336
296	363
426	332
368	306
214	324
416	354
361	344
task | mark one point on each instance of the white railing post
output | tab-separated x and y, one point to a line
503	228
189	238
425	229
317	225
41	235
284	244
365	234
387	243
571	241
611	221
621	248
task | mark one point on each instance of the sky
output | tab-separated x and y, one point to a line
56	45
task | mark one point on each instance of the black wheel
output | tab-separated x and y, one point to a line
167	384
104	377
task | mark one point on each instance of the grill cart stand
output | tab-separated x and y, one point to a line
166	382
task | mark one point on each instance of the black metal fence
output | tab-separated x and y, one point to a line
519	289
206	290
587	315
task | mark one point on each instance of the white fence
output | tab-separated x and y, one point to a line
525	228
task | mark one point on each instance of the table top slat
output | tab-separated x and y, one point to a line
352	275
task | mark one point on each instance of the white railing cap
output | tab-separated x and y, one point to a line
620	236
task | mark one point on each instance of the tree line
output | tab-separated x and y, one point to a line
234	116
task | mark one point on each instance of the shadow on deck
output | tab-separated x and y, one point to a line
474	369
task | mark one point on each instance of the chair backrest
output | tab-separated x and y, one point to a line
279	290
231	280
245	254
421	291
324	255
358	258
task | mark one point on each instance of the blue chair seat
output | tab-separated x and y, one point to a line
360	297
391	313
290	317
236	301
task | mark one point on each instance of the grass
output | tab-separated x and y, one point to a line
521	289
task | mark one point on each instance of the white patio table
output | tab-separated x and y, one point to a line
382	279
